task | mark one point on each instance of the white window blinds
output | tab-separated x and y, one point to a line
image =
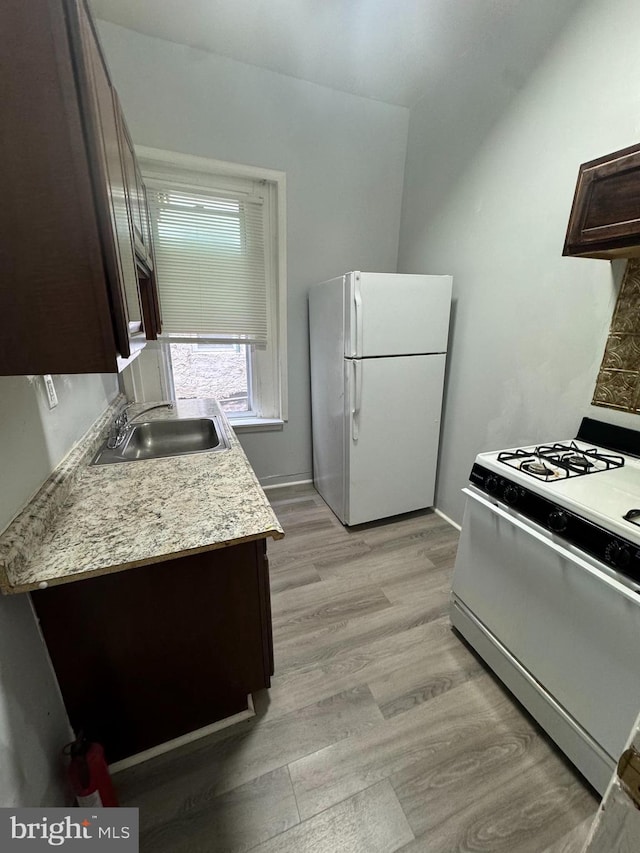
210	262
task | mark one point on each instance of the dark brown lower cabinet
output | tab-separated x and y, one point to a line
148	654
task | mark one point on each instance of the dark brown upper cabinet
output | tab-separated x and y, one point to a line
71	300
136	197
605	217
140	230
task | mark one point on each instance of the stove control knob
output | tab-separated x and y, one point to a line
511	495
618	555
491	484
558	521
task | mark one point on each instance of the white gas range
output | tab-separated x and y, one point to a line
547	585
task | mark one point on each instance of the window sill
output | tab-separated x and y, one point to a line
255	424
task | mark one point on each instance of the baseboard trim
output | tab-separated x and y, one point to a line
161	748
447	519
271	486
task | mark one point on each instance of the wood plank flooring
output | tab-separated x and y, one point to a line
382	730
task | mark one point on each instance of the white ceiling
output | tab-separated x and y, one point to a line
395	51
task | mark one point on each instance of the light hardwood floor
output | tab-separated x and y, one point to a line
382	730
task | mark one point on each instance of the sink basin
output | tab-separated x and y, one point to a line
161	438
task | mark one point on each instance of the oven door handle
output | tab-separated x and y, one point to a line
567	555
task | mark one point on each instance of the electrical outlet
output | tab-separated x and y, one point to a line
52	397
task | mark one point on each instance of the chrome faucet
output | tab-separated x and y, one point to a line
121	422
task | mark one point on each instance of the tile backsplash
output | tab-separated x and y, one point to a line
618	383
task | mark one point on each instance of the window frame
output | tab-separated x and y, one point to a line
269	364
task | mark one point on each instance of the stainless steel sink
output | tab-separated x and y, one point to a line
161	438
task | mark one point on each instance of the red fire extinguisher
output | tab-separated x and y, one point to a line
88	774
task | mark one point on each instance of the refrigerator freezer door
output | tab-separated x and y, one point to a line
326	340
392	434
388	314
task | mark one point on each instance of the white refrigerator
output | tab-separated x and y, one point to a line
378	345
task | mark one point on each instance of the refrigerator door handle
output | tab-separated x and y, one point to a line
357	399
357	303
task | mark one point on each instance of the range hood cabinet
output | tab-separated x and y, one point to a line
605	217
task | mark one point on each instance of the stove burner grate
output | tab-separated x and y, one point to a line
560	460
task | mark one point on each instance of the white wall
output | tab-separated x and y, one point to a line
488	188
34	438
33	722
344	159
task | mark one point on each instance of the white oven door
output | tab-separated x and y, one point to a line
572	626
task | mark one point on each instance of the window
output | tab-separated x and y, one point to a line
222	371
220	262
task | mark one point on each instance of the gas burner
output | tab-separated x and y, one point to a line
576	460
537	468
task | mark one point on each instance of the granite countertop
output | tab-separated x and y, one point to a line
90	520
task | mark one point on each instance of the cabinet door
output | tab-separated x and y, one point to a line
69	300
150	307
136	201
133	202
264	591
605	217
149	290
144	215
55	314
135	198
146	655
99	108
141	230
